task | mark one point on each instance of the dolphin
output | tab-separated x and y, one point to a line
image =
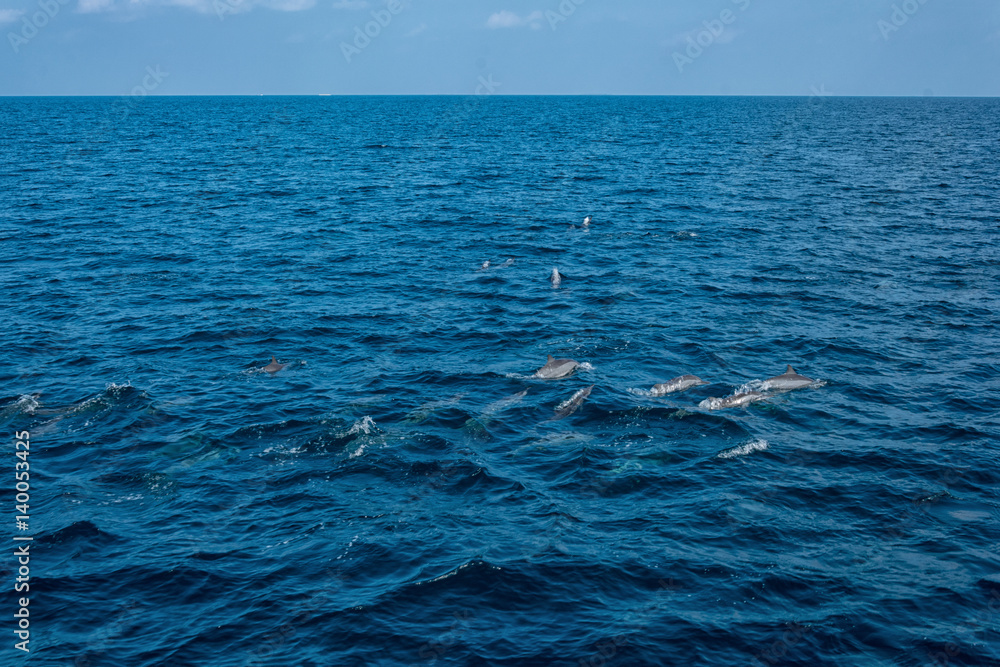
677	384
789	380
274	366
734	401
556	278
566	408
556	368
587	221
503	404
475	427
425	411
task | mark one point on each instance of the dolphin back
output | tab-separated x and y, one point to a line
677	384
567	408
556	368
789	380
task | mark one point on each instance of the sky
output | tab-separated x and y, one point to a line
512	47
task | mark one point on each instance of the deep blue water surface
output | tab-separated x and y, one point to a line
393	496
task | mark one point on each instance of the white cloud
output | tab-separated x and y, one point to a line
201	6
90	6
289	5
9	15
506	19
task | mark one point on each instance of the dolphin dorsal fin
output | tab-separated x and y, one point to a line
551	358
274	361
790	370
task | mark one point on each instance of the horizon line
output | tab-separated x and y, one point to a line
167	95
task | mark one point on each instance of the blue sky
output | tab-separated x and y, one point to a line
644	47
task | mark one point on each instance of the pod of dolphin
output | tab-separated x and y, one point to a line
555	369
561	368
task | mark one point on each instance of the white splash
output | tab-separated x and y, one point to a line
569	401
282	449
752	385
757	445
724	402
26	403
364	426
348	547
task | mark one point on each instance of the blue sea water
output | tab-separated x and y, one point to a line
400	494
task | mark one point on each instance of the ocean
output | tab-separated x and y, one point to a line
404	490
